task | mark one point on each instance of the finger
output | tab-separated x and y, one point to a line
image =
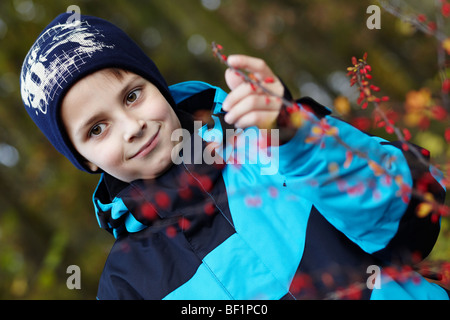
258	68
232	79
251	64
252	103
261	119
238	94
242	107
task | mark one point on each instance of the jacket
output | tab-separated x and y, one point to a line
314	226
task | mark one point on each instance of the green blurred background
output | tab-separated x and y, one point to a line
46	217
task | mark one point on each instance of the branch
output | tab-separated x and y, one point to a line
360	75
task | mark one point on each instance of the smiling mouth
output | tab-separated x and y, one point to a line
148	147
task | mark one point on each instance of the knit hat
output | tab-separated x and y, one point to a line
64	53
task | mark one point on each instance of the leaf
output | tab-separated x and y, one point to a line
356	190
317	131
333	131
253	201
311	139
376	168
342	105
447	135
333	168
424	209
297	119
406	134
446	45
348	159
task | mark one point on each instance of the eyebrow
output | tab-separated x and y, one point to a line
126	87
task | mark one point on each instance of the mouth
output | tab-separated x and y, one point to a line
147	147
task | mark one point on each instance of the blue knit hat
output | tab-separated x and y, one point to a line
64	53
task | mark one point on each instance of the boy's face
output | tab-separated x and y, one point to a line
121	124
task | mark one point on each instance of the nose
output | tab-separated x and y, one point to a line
133	129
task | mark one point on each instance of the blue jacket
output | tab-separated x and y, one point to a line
313	226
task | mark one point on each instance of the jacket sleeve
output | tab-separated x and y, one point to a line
367	198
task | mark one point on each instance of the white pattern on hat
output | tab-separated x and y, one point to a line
42	74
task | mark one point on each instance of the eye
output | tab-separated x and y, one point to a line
133	96
97	130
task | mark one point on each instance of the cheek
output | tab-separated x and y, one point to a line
161	109
173	121
105	156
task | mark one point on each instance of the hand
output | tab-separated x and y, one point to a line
248	106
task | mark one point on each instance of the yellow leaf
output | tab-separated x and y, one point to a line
428	197
424	209
376	168
399	180
297	119
333	167
311	139
417	101
412	119
432	142
333	131
317	131
342	105
446	45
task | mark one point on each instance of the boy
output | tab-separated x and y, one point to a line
186	230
